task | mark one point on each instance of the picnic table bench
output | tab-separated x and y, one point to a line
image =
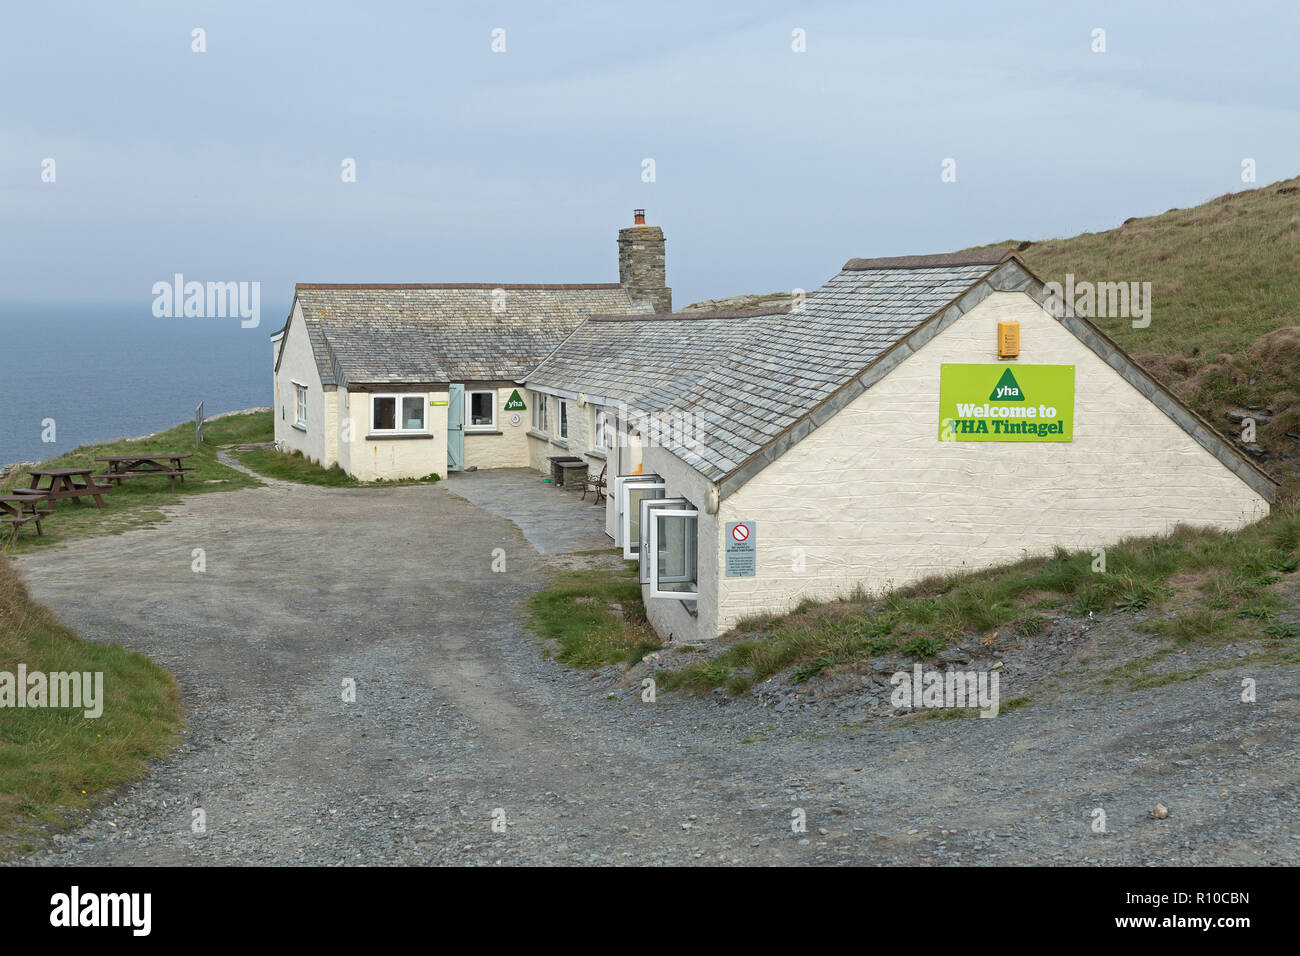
18	510
163	464
74	483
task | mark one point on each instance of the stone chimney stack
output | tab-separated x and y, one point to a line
641	268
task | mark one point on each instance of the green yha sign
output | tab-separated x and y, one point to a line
1006	403
514	403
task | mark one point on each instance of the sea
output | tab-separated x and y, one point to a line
103	371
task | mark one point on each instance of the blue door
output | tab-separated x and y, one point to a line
456	428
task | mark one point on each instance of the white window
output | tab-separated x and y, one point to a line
673	557
539	411
628	492
481	410
649	505
300	410
598	429
562	428
397	413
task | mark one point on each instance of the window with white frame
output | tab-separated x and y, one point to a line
674	559
481	410
649	504
629	491
539	411
397	413
598	429
300	407
562	420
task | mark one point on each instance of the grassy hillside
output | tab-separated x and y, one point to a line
1225	319
53	761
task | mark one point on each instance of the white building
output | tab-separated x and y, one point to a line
407	381
913	417
886	432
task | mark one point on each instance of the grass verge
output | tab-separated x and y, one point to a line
296	467
1221	583
293	466
54	762
595	616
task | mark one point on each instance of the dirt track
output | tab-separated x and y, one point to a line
458	715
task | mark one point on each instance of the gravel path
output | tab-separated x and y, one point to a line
458	715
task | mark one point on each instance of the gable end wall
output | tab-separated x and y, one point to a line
873	498
298	364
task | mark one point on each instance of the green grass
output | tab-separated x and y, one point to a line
138	501
296	467
1236	568
293	466
1225	303
56	761
808	641
577	610
245	429
1197	624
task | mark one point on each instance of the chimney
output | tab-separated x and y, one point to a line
641	267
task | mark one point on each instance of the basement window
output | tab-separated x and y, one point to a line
481	410
674	571
397	413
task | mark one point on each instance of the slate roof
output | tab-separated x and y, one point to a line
404	334
650	362
766	381
746	380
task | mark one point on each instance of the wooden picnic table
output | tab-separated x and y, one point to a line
162	464
17	510
74	483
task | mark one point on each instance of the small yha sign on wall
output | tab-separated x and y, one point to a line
1022	403
741	549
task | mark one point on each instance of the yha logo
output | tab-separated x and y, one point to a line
1007	389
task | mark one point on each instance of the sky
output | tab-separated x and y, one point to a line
771	166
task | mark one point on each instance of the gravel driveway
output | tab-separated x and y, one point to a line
458	715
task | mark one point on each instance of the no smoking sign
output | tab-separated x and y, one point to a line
741	549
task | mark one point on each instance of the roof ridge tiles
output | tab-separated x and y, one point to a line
690	316
971	257
417	286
